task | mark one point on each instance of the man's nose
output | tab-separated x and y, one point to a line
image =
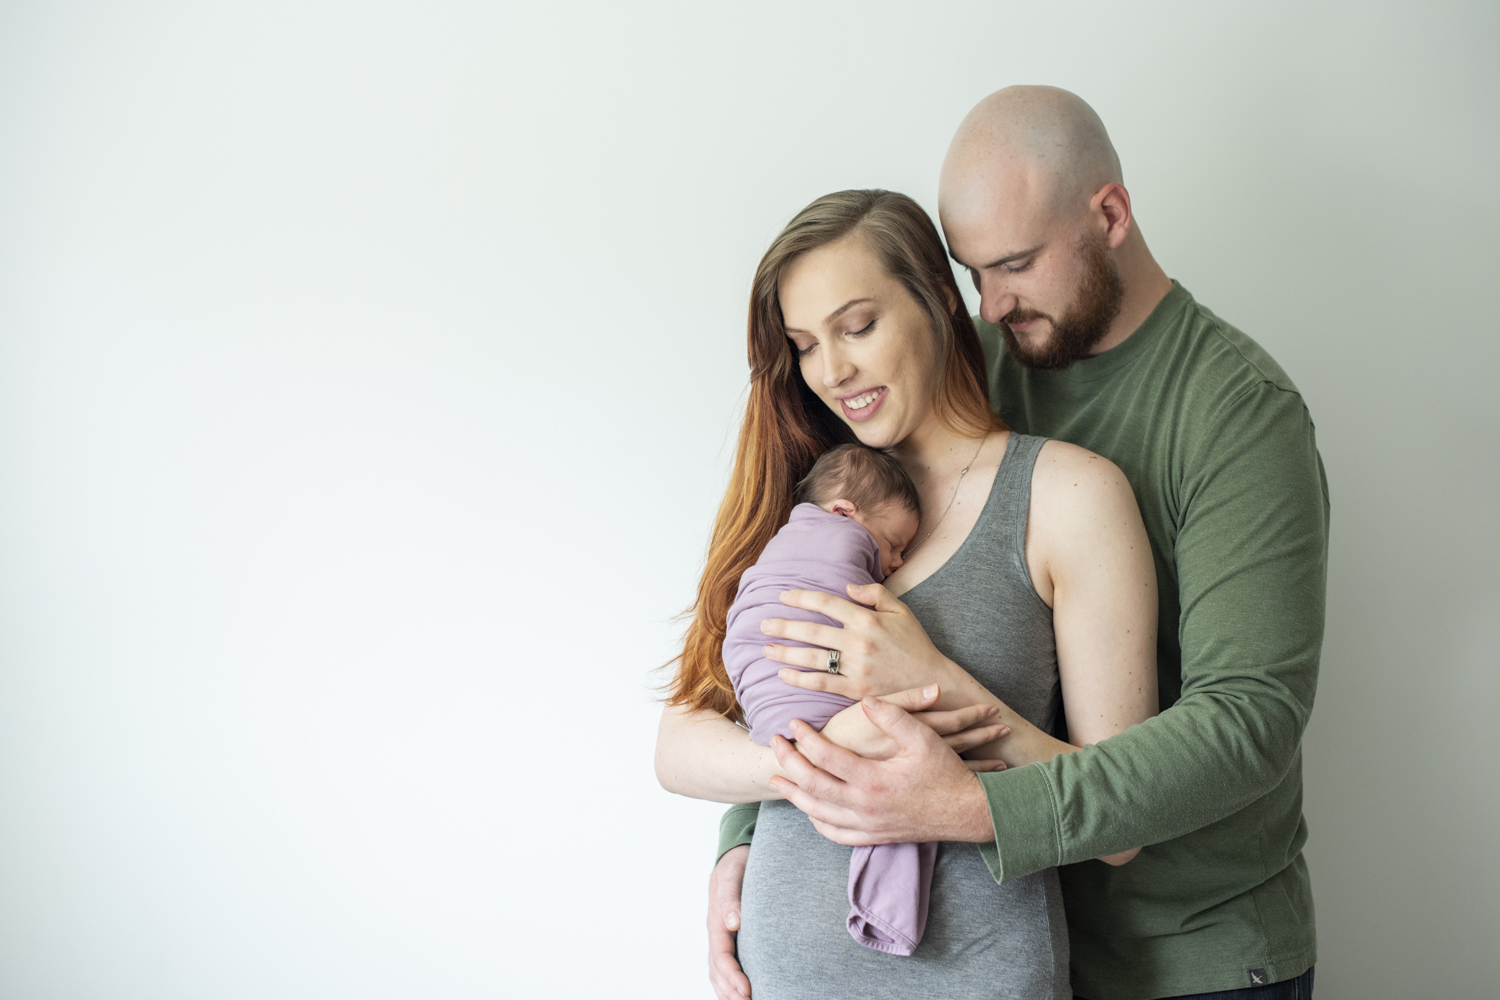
993	301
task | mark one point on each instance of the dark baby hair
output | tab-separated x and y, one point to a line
865	477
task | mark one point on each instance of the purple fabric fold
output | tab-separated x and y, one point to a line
888	891
889	884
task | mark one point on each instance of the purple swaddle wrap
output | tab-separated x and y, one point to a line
816	550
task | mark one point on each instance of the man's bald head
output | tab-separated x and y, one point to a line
1033	205
1041	147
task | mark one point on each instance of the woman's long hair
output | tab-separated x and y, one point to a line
787	426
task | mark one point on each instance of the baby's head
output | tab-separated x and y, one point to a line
870	488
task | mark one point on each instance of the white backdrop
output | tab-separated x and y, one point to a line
367	379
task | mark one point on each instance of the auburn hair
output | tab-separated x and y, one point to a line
787	427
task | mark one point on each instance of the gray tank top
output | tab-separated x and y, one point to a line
983	941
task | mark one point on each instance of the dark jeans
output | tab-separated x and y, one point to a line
1288	989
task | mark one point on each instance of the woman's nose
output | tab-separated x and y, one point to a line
836	368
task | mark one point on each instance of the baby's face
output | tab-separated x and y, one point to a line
893	527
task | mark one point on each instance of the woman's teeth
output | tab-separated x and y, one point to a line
862	401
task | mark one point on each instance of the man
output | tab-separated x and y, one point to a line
1089	341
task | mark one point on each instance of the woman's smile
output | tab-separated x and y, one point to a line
862	406
864	343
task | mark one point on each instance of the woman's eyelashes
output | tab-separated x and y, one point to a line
803	352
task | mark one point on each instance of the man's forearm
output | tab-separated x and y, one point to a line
970	820
737	826
1194	764
705	756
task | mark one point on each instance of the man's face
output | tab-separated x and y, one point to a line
1050	286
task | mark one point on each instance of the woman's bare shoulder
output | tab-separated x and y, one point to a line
1069	481
1083	517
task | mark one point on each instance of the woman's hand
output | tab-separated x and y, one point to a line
883	648
962	729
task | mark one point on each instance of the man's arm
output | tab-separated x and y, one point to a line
705	755
724	972
1251	556
737	826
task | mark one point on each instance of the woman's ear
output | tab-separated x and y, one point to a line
952	297
843	508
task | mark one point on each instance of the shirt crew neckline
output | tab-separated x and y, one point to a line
1112	360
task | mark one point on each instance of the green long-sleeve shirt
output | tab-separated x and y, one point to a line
1220	450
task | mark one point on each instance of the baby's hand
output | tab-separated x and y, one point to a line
961	728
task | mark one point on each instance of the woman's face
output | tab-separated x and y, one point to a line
865	345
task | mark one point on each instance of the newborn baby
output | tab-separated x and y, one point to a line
856	513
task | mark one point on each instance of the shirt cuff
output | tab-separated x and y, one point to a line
737	827
1025	818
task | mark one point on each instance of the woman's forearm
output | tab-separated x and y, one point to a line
960	689
1026	744
705	756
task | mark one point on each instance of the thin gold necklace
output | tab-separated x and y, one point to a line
952	497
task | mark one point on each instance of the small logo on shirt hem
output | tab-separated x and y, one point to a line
1257	977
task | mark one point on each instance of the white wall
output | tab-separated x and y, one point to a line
366	373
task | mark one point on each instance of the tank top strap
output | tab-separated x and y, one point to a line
1006	519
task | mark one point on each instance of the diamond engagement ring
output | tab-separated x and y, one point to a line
833	661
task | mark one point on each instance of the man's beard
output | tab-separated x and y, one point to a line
1082	326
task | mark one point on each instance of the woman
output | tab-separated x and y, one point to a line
1030	572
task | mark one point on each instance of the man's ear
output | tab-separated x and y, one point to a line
843	508
1111	203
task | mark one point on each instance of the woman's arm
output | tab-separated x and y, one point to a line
884	648
705	756
1091	561
1085	545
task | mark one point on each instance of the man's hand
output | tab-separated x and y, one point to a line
729	982
953	732
923	792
